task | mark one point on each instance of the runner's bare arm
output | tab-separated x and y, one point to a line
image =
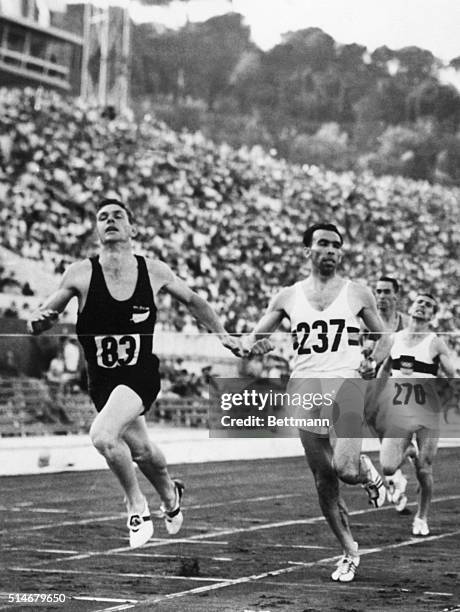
384	370
48	313
168	282
445	360
382	377
258	341
368	312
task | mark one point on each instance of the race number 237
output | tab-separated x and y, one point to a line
113	351
323	331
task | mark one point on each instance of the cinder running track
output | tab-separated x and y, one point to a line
253	540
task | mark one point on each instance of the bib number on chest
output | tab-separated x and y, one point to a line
328	336
114	351
405	391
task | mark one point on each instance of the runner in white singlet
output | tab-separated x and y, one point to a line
386	294
410	402
324	311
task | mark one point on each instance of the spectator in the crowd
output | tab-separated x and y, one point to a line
54	374
71	359
11	311
27	289
9	366
56	379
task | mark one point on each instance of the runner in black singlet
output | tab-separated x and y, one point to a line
118	346
117	293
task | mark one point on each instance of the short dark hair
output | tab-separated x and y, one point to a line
390	279
308	234
108	201
428	295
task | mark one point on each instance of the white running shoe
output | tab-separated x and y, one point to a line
140	527
174	518
374	486
396	489
346	568
420	527
400	506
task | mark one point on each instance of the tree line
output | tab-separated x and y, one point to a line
310	98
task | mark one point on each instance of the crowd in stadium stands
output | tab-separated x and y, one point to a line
11	286
229	222
178	382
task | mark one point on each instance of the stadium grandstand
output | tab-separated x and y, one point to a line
227	220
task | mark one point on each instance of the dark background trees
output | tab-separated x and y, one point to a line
313	99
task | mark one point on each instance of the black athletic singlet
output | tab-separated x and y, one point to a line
117	335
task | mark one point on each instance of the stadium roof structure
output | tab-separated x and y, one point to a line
32	53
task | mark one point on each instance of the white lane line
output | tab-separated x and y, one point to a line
119	574
151	601
293	567
301	546
233	531
55	525
324	586
114	517
27	509
186	541
102	599
40	550
251	500
160	556
117	608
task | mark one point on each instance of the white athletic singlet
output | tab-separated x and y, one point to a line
407	361
409	400
326	341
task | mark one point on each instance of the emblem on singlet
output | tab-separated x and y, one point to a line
406	365
140	313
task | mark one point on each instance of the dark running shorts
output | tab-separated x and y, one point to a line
144	381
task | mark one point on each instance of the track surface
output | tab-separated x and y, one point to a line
253	540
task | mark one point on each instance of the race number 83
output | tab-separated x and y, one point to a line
113	351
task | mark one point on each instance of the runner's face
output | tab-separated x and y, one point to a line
325	252
423	308
386	296
113	224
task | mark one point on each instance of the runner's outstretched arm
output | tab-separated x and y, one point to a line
202	311
47	314
258	343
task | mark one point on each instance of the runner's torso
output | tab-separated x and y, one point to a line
409	360
117	334
325	341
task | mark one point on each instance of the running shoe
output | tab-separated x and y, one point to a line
140	527
374	486
400	497
420	527
396	490
400	506
174	518
346	568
